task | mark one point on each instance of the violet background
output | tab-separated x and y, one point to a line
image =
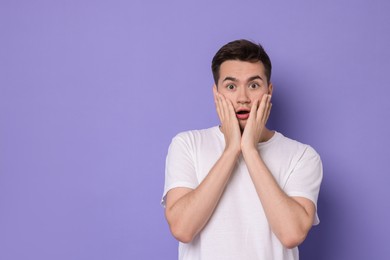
91	93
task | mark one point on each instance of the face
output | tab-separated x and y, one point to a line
243	83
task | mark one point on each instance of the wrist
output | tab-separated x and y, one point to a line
249	150
232	151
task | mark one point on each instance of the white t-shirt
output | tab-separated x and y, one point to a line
238	228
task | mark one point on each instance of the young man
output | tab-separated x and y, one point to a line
239	190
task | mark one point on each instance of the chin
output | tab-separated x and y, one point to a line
242	126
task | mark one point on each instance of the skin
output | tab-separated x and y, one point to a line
241	86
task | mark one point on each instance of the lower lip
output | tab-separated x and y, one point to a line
242	116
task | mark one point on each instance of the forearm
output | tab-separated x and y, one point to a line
288	219
189	214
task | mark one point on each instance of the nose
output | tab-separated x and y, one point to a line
243	97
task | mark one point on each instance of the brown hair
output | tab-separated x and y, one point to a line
242	50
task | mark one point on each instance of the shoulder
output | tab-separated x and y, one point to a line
196	142
192	136
293	147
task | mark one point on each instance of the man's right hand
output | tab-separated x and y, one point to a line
229	123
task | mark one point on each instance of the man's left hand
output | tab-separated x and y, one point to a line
257	120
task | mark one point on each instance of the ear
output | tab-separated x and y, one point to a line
270	88
215	88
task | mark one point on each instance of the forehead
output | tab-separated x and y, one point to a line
241	70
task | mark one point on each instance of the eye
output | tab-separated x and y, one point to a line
230	87
254	86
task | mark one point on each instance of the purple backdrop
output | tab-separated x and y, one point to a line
91	93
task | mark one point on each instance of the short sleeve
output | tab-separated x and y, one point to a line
179	166
306	177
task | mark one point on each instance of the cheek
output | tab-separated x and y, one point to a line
257	96
228	95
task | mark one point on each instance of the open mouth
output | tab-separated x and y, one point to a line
242	114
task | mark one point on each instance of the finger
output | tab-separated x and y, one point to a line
215	95
232	112
261	108
217	101
224	106
266	108
253	113
217	106
267	104
268	113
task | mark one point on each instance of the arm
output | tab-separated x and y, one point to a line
187	211
290	218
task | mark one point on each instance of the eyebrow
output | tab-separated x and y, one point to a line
230	79
255	77
250	79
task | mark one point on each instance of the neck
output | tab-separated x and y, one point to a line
266	135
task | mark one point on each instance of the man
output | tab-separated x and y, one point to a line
239	190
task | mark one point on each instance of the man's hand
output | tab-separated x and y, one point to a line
255	125
229	123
